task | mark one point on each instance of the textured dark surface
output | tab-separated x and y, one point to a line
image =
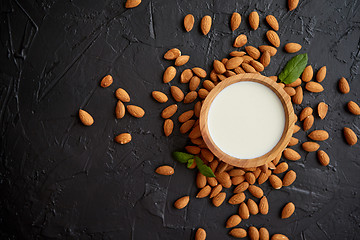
59	179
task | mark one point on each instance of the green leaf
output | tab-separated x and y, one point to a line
182	157
189	163
203	169
293	68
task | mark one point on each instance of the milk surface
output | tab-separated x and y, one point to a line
246	120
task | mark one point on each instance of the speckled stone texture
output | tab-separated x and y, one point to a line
61	180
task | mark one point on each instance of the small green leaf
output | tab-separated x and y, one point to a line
203	169
189	163
293	68
182	157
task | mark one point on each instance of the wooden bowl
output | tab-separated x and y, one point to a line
290	119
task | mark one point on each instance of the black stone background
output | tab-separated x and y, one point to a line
61	180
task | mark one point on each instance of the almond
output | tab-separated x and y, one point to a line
235	21
122	95
190	97
132	3
350	136
182	202
237	198
279	236
168	127
252	206
264	206
274	78
292	47
123	138
208	85
307	74
290	91
254	20
296	129
201	73
219	67
172	54
310	146
186	75
314	87
186	126
321	74
204	192
200	180
344	86
298	97
213	76
305	113
236	172
273	23
203	93
182	60
198	141
165	170
293	141
291	154
242	187
308	122
234	62
265	59
250	177
263	177
275	182
169	111
233	221
186	116
257	65
319	135
288	210
273	38
197	109
264	234
159	96
119	110
248	68
212	182
247	59
221	77
276	160
292	4
205	24
256	191
200	234
280	168
106	81
193	149
244	211
189	22
240	41
85	118
239	70
253	233
207	155
177	94
135	111
219	199
322	109
238	233
169	74
253	52
195	133
216	190
237	180
237	53
289	178
224	179
353	108
323	158
267	48
295	84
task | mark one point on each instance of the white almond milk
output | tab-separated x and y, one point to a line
246	120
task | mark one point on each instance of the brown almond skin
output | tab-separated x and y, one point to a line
168	127
194	83
291	154
159	96
219	67
234	62
323	158
292	4
308	122
200	180
177	93
263	206
293	141
193	149
186	116
314	87
319	135
186	126
200	234
264	234
280	168
172	54
86	118
207	155
279	236
272	21
237	180
250	177
204	192
253	52
135	111
165	170
106	81
292	47
236	172
189	22
208	85
267	48
238	233
295	84
186	75
289	178
344	86
296	129
169	111
219	199
275	182
119	110
265	59
205	24
307	74
123	138
353	108
322	109
244	211
122	95
197	109
132	3
203	93
305	113
254	20
182	60
321	74
224	179
242	187
195	133
190	97
182	202
310	146
350	136
288	210
256	191
169	74
273	38
216	190
240	41
253	233
235	21
257	65
248	68
298	97
237	198
233	221
253	207
237	53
